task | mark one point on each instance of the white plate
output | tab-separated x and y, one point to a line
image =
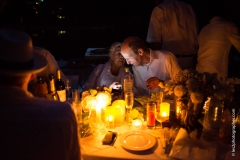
137	140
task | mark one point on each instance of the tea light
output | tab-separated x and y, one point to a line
137	123
119	106
109	113
164	109
109	116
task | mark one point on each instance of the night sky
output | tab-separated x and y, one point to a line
95	23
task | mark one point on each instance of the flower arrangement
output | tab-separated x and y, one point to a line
191	88
93	101
198	85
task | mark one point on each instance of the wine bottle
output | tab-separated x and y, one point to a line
41	88
52	95
60	87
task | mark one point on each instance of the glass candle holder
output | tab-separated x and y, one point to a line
110	116
151	111
164	111
137	124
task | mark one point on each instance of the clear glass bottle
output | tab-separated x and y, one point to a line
52	94
127	81
60	87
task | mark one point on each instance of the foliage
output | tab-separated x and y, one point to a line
191	89
198	85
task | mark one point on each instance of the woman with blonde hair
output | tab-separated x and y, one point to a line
109	73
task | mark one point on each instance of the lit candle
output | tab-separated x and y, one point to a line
178	109
119	106
151	111
164	114
109	114
98	113
215	113
110	118
137	123
164	109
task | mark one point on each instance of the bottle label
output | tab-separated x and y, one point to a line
128	85
62	95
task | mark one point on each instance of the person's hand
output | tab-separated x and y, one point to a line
152	83
116	85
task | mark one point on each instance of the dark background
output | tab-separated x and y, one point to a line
94	23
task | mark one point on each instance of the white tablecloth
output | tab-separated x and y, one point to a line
92	148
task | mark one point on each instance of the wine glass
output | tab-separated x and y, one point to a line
129	99
68	88
159	118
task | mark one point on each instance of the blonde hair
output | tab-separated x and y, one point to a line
112	47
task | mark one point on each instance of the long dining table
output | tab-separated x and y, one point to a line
183	147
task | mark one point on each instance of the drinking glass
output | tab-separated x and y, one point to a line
68	89
129	99
157	96
151	114
158	118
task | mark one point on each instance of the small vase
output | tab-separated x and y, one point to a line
212	118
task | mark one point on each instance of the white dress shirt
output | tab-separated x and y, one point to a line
163	65
215	41
174	25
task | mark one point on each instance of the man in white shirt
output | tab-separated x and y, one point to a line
173	27
149	66
215	42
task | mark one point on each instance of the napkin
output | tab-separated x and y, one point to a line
187	148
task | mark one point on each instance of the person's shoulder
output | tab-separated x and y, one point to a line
163	52
101	66
51	107
42	51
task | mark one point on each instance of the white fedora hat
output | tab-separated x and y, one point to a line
16	54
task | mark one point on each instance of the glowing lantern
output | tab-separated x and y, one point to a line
164	110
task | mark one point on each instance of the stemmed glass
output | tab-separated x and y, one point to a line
68	89
158	118
129	99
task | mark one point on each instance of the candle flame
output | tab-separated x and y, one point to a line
110	118
178	109
137	123
164	114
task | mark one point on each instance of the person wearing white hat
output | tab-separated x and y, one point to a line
31	127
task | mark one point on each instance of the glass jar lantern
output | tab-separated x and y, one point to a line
212	118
